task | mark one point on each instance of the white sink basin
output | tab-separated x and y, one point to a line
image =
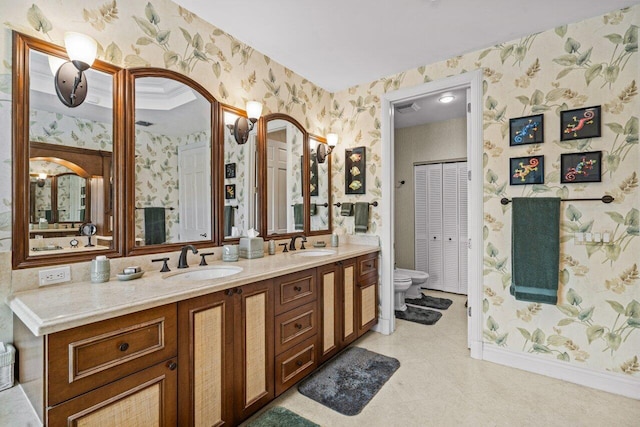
316	252
196	274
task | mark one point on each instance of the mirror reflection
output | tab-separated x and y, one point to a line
70	153
319	190
240	180
172	162
284	199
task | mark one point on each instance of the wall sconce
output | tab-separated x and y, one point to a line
70	81
243	125
41	179
325	149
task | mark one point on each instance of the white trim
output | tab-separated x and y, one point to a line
473	80
606	381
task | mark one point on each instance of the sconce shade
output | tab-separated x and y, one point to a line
82	49
41	178
325	149
332	139
254	110
55	63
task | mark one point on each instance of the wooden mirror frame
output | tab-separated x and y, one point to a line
262	171
329	207
22	46
130	170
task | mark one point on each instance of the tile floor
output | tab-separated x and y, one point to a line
438	384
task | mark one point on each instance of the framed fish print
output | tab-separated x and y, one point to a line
230	170
355	165
526	170
526	130
580	123
229	191
580	167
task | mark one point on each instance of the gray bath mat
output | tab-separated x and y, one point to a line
279	416
419	315
433	302
349	381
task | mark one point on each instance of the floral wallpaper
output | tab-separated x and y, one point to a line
590	63
62	129
237	157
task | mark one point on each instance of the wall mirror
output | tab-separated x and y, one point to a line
62	160
283	150
239	175
319	189
171	162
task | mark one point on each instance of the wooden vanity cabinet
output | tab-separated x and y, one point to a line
226	355
367	293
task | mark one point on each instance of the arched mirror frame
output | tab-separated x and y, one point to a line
22	46
329	207
262	171
131	75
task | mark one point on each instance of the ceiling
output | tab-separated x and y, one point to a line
337	44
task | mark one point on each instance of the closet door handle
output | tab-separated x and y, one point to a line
449	238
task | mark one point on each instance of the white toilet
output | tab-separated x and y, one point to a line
418	279
401	284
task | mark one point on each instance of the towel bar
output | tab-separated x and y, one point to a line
151	207
233	207
325	204
374	204
603	199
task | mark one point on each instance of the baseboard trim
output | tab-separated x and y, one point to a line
383	326
605	381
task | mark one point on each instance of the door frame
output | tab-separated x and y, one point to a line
473	81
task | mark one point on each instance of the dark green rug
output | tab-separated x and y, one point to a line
419	315
433	302
350	380
278	417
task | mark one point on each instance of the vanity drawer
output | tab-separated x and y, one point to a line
294	290
295	326
295	364
367	265
86	357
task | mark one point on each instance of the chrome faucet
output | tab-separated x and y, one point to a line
182	261
292	244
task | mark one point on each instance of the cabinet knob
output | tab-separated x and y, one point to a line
298	326
238	290
297	288
229	292
123	347
172	365
299	363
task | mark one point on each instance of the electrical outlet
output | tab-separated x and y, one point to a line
55	275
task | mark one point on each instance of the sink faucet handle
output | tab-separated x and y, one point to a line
304	239
202	260
284	245
165	266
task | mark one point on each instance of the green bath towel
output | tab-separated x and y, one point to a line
229	219
154	226
298	216
535	249
361	214
346	209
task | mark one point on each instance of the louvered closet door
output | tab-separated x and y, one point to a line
434	226
450	226
421	244
463	257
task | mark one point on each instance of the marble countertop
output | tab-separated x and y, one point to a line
56	308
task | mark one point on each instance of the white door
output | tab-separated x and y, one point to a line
434	226
421	243
276	187
450	239
463	235
195	191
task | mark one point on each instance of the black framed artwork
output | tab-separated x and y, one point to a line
581	167
230	191
580	123
526	130
355	170
526	170
230	170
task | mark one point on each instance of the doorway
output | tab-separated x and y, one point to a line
473	82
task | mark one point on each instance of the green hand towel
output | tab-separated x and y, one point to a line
298	216
229	219
154	226
535	249
313	209
346	209
361	219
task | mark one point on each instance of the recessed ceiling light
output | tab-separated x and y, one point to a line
445	99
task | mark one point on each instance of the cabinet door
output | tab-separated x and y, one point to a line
367	293
146	398
329	279
254	348
205	355
349	330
